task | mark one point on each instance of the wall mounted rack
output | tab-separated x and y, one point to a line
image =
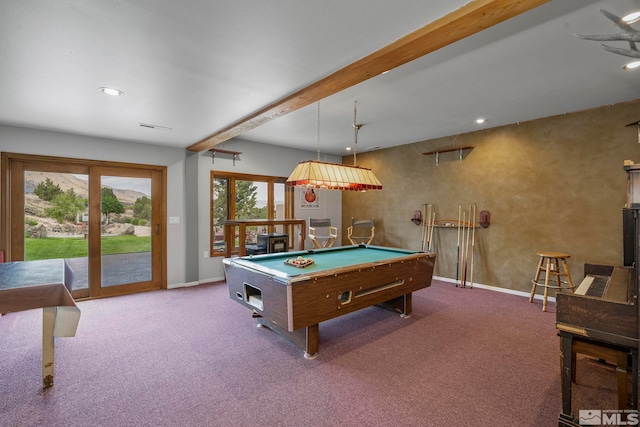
234	154
437	153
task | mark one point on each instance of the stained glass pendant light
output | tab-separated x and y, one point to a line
334	176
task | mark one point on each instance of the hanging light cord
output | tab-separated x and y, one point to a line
356	128
318	130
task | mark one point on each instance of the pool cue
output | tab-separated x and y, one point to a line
428	229
423	226
465	247
428	248
458	258
427	210
463	279
430	238
463	261
466	252
473	244
432	216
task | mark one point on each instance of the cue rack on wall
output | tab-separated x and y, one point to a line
466	225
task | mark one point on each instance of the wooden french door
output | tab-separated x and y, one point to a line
106	220
129	269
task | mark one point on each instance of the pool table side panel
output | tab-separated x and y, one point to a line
320	299
274	294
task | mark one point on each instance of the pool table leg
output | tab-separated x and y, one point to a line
305	338
400	305
312	334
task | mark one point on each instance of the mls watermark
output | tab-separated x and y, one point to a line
608	417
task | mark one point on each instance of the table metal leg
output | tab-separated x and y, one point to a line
305	338
401	304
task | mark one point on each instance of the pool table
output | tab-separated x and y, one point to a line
293	301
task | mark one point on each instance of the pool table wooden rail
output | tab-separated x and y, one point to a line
294	306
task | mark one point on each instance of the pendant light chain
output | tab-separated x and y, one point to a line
356	128
318	130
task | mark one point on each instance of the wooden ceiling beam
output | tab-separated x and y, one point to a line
463	22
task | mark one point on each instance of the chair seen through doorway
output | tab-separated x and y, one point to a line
359	237
322	240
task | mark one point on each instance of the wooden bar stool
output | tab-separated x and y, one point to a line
550	264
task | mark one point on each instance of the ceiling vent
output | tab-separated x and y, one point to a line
156	127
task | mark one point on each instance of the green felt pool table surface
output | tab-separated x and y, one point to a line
326	259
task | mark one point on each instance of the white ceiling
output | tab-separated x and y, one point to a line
196	66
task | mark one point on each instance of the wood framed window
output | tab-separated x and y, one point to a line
246	196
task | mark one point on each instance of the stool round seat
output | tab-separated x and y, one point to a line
550	264
553	254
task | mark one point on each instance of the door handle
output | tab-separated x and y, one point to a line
158	229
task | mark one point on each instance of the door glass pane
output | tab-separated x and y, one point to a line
55	220
219	214
125	205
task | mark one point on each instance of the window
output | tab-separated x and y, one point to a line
244	196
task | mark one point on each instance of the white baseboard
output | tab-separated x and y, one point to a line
196	283
175	285
211	280
497	289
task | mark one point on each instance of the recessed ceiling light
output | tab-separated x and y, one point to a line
348	148
111	91
632	18
481	121
632	65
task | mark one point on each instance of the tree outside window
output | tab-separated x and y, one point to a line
110	203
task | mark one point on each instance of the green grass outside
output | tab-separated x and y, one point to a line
76	247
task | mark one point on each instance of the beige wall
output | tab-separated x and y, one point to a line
554	184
